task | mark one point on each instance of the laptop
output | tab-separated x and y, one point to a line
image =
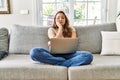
63	45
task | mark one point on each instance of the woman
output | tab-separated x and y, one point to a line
61	29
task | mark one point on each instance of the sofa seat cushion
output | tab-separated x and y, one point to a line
102	68
21	67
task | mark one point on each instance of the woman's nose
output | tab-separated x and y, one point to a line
60	19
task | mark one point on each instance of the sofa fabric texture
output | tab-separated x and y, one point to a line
19	66
24	38
90	38
102	68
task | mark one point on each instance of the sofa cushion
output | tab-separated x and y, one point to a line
4	39
102	68
90	36
23	68
110	43
23	38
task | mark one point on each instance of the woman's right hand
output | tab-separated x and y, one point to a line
59	25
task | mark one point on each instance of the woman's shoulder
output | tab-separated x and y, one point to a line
51	29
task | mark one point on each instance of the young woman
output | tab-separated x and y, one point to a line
61	29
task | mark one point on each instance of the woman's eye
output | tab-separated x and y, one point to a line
60	18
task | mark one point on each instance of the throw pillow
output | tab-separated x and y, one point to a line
4	39
3	42
118	23
110	43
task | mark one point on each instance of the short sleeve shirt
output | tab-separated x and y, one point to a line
52	30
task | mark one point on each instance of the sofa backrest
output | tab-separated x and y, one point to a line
90	38
24	38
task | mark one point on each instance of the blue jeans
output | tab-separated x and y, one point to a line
73	59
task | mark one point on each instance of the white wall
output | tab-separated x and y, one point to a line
7	20
112	10
118	6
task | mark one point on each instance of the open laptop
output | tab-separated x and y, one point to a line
63	45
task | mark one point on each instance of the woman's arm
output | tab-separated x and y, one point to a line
74	34
52	34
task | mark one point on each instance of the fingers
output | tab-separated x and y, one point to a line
58	24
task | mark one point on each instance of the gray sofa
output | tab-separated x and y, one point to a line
18	65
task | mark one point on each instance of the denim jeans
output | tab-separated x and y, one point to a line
74	59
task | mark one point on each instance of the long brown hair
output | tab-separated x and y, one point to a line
67	31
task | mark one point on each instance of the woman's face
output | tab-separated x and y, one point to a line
60	17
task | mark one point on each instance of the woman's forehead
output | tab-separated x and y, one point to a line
60	14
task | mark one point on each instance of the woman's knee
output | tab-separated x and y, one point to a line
88	54
35	51
84	53
89	57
